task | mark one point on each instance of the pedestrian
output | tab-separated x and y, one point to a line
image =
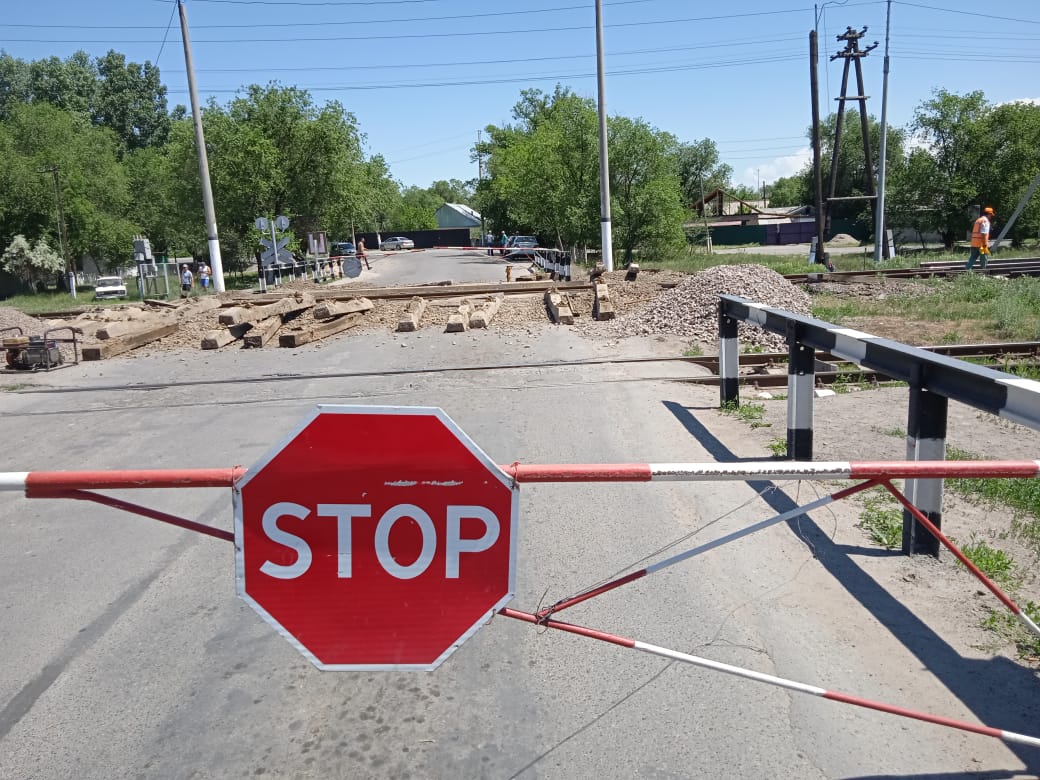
187	280
360	252
204	275
489	242
980	239
504	240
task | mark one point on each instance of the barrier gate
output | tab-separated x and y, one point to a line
300	510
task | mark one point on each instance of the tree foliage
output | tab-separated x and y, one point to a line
544	175
32	264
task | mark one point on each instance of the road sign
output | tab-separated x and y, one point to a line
281	222
376	537
351	267
282	242
261	223
280	256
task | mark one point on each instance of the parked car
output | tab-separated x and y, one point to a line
342	249
517	242
397	242
109	287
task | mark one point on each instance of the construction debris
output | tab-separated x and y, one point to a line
459	321
328	309
118	346
240	315
485	312
602	308
559	307
300	336
412	315
261	332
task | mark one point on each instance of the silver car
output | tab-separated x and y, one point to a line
397	242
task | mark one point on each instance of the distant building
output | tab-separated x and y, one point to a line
457	215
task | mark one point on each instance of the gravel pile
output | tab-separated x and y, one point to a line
690	309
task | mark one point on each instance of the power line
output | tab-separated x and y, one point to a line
351	23
166	34
428	35
526	77
471	63
989	17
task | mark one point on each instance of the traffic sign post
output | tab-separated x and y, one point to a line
376	537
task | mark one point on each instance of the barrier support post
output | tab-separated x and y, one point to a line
925	440
729	359
801	378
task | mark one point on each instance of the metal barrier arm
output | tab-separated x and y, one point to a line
749	674
76	485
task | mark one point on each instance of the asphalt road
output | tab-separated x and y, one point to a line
127	654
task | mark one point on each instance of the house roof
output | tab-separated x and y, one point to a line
463	210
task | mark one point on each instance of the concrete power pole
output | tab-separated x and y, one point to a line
606	232
880	236
200	145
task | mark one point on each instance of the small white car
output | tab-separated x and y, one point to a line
397	242
109	287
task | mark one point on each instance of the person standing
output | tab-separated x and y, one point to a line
187	280
504	240
980	239
204	275
360	252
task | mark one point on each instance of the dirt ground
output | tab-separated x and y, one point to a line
870	425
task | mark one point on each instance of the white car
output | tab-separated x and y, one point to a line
109	287
397	242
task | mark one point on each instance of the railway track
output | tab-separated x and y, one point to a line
769	369
1023	266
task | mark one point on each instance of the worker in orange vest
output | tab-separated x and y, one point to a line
980	239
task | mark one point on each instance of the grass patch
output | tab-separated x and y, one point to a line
882	519
694	351
991	561
778	446
1022	495
1007	627
751	414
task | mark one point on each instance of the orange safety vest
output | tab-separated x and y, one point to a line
980	238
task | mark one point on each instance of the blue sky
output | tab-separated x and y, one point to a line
424	76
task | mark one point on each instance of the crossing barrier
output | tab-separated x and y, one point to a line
81	485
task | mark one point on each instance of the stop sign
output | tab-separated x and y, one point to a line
376	537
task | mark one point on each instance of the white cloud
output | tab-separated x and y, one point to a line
771	170
1030	101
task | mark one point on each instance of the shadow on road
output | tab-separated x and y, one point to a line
1001	693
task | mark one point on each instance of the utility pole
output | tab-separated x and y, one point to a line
63	236
606	233
852	54
819	255
480	178
200	146
880	235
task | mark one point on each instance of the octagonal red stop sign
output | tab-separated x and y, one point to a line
376	537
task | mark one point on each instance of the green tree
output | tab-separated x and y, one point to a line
951	166
700	169
790	191
32	264
646	192
130	99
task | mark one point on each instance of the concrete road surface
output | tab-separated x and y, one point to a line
126	653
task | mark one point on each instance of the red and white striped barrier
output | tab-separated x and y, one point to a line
79	484
769	679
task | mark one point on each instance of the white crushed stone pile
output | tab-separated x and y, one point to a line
690	309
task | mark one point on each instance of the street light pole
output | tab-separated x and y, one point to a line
606	233
200	146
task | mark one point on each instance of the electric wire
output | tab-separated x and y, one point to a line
166	34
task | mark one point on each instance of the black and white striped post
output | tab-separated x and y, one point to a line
801	379
925	440
729	359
